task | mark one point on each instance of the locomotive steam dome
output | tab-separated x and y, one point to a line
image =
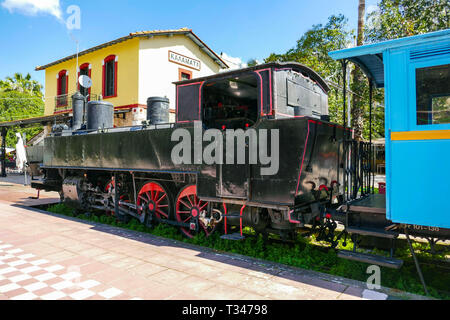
100	115
158	110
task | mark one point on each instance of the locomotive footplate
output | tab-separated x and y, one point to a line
373	203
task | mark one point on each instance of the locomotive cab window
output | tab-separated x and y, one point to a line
231	103
433	95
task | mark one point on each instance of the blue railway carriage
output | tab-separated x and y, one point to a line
415	72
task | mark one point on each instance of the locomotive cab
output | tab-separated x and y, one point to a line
239	98
288	98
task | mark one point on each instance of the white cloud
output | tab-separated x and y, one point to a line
233	62
34	7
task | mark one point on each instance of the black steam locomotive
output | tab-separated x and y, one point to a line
130	171
307	170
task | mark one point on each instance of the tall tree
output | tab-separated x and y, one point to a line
19	83
358	84
403	18
20	98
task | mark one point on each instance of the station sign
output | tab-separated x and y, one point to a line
184	61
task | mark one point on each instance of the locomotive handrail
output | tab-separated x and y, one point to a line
119	129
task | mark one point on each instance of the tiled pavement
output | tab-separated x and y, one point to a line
44	256
23	276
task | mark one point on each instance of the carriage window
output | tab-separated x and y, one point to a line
433	95
231	103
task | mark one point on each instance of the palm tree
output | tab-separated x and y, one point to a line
358	79
21	84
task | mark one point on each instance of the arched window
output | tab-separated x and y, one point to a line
85	69
62	87
110	76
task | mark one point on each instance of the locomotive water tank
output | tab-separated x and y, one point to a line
158	110
100	115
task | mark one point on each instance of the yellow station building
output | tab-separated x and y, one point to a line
128	70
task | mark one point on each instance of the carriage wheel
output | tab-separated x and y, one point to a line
154	197
189	206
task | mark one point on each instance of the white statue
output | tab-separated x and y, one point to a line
21	156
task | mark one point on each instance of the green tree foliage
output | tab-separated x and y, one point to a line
403	18
313	47
252	62
20	98
19	83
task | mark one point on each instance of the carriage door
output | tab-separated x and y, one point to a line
420	140
231	106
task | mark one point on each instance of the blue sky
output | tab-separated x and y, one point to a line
33	32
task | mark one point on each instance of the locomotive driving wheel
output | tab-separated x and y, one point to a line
154	198
189	209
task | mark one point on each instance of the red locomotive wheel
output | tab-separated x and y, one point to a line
155	198
188	205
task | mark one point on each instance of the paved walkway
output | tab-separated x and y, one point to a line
45	256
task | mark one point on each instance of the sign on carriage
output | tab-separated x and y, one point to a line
184	61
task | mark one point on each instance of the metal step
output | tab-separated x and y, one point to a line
232	236
380	233
371	259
